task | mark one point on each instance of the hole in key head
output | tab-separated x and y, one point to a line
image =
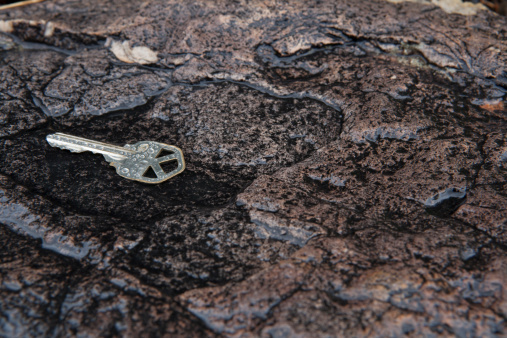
150	173
169	166
164	152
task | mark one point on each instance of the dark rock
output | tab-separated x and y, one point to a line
345	172
446	202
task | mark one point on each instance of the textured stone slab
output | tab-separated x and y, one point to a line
346	169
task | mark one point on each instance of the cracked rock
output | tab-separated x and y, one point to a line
346	169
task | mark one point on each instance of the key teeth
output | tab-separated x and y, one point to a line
65	148
52	142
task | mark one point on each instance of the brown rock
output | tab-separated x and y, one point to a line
346	170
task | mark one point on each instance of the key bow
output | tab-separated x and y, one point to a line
148	156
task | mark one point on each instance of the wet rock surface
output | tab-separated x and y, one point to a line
346	170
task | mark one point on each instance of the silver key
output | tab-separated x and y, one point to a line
132	161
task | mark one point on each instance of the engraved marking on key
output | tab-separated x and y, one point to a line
132	161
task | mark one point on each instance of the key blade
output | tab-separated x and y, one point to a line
78	144
56	142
